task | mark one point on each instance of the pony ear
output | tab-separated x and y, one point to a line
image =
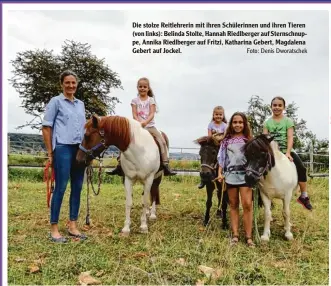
95	121
270	137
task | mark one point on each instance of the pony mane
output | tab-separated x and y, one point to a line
207	140
117	131
261	144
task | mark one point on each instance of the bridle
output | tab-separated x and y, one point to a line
90	152
264	170
212	167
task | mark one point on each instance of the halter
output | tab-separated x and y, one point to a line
213	167
265	169
90	152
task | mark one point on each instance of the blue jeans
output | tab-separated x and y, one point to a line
65	167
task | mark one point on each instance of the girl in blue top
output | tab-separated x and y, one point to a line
63	131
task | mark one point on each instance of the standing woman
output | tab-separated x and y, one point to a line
63	131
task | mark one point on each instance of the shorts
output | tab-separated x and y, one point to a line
229	186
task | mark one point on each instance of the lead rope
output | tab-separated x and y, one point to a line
255	214
49	182
89	178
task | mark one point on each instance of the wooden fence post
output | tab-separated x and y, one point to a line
311	158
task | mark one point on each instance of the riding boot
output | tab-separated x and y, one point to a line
166	170
117	171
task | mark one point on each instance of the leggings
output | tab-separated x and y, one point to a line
161	141
301	169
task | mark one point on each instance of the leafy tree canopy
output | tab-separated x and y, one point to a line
36	79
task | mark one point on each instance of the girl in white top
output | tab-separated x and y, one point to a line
143	110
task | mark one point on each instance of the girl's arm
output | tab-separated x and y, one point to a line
290	135
47	136
265	130
221	161
209	132
134	112
150	116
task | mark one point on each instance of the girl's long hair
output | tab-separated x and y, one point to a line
247	129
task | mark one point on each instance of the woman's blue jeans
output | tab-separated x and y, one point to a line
65	168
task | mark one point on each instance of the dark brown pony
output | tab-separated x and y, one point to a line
209	147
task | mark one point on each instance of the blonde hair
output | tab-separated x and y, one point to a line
221	109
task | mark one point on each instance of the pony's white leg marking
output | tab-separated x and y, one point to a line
142	203
267	217
147	189
286	215
128	205
153	211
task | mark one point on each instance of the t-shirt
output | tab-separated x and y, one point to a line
217	128
143	109
232	160
278	129
67	120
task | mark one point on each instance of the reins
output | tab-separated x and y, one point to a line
89	179
223	190
49	182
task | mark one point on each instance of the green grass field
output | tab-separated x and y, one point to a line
175	248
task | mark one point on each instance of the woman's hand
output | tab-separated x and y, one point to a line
50	159
288	155
143	124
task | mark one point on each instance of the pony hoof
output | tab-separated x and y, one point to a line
152	217
205	223
125	233
265	238
219	214
143	230
289	236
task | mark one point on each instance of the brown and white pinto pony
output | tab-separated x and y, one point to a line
140	158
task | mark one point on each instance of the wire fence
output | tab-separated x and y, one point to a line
317	164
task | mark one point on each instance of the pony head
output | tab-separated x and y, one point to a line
260	158
93	143
209	147
100	133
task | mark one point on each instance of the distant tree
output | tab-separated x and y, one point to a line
36	79
258	112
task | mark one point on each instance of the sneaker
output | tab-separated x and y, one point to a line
305	202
